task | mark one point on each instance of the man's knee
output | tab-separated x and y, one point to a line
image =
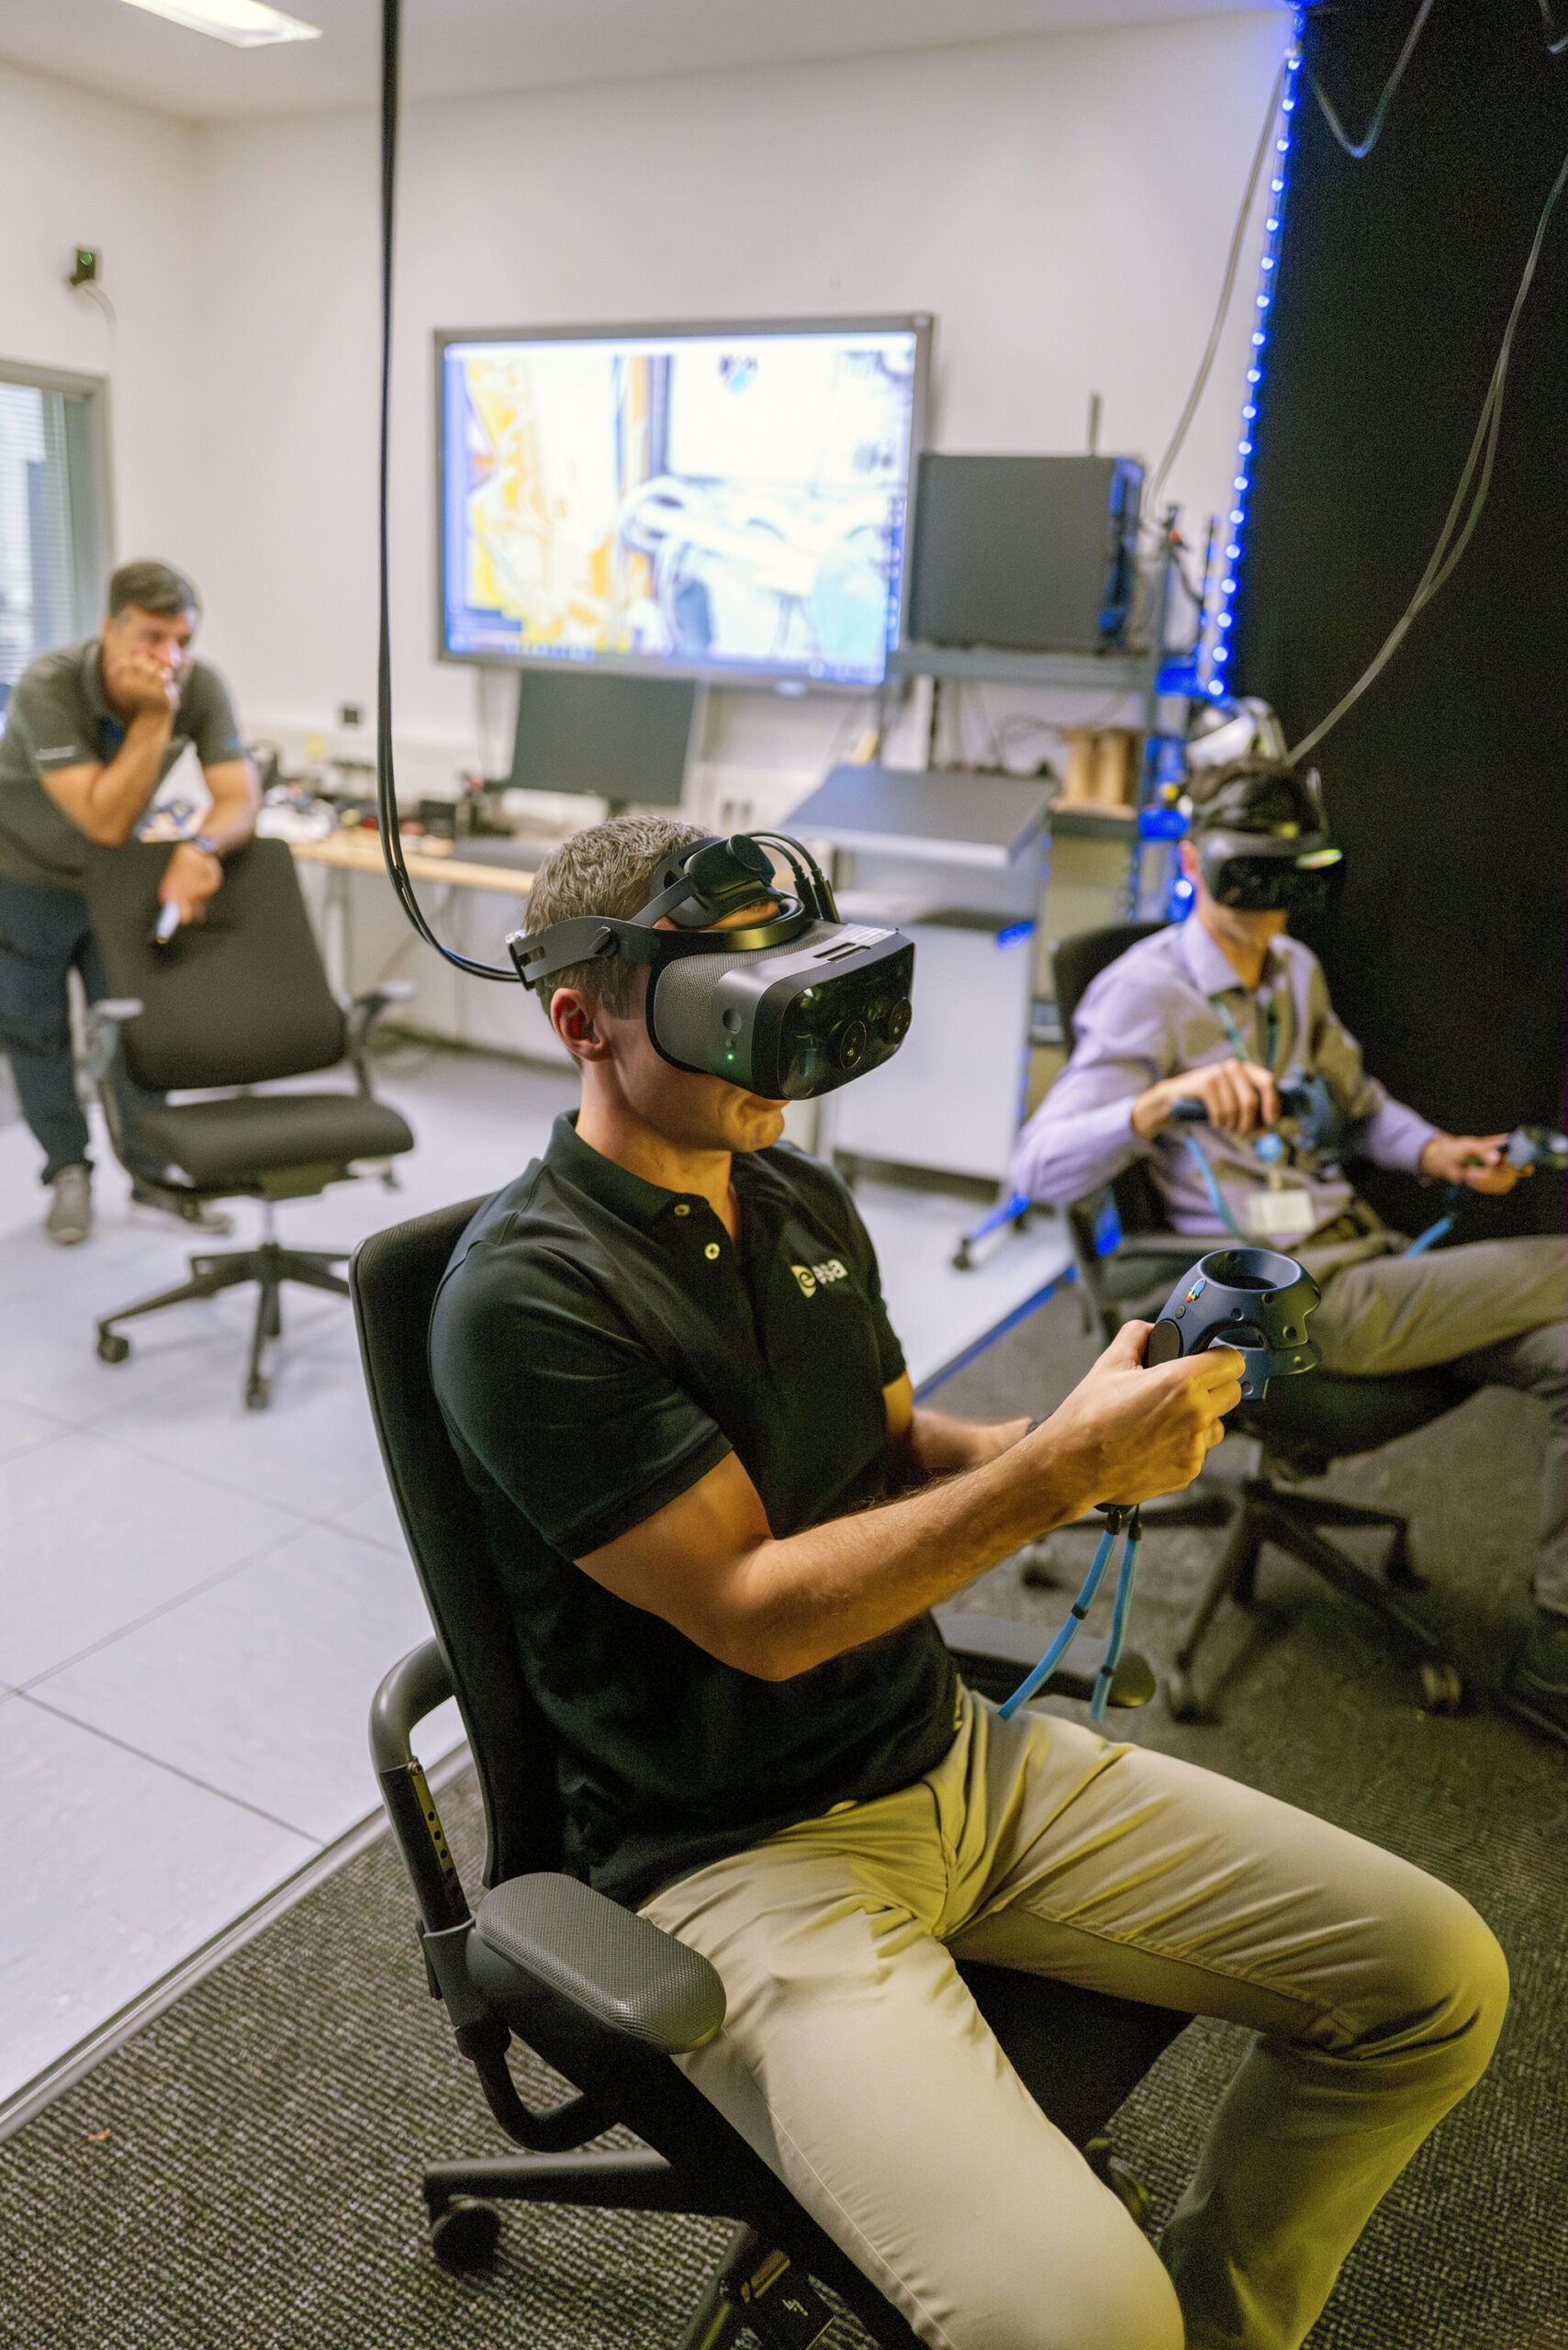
1097	2284
1448	1984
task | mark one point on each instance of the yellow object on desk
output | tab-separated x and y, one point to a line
359	851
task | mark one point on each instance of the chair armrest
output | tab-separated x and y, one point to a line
363	1012
102	1024
994	1653
410	1691
628	1976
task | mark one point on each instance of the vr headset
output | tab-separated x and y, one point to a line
1264	840
790	1007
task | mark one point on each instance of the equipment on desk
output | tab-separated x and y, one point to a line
616	738
1032	554
594	1989
953	859
231	1002
1122	1246
790	1007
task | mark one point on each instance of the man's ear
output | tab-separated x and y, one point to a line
575	1022
1191	865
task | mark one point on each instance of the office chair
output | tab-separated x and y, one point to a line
600	1994
1123	1246
231	1002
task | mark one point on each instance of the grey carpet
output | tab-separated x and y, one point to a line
244	2173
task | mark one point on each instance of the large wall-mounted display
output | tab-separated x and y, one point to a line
717	502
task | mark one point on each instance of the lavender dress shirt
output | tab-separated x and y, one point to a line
1157	1011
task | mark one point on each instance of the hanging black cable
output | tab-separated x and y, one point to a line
1446	554
386	779
1360	150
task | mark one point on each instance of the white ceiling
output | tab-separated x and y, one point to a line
459	48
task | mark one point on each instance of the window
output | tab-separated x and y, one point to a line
51	516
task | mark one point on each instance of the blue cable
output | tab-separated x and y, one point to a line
1433	1233
1064	1638
1107	1672
1216	1197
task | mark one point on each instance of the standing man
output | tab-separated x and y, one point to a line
92	732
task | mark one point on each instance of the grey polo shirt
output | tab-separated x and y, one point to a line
58	716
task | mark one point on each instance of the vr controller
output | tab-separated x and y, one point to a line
1322	1126
1249	1298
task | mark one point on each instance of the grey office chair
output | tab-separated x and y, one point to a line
598	1992
1124	1248
229	1003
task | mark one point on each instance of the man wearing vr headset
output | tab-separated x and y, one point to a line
1228	1011
722	1520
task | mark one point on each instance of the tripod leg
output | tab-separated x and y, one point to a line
1236	1571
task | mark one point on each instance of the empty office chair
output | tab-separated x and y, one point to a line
1123	1247
599	1993
229	1003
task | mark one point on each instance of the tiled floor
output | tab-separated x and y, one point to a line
196	1601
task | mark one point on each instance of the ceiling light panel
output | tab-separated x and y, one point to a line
243	24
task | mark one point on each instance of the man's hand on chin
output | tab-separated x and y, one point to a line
1475	1161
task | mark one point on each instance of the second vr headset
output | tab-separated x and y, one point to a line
1264	840
791	1005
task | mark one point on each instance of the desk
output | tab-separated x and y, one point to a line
347	852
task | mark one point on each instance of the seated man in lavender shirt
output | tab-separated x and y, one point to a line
1226	1008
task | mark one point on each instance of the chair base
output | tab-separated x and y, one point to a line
1261	1514
757	2284
269	1265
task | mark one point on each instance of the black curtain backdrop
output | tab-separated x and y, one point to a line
1448	783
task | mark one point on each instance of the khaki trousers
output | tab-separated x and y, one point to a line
854	2061
1492	1312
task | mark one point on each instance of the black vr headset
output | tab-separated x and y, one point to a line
788	1007
1262	839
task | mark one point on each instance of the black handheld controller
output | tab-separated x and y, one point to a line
1250	1298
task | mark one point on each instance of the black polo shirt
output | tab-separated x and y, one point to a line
599	1346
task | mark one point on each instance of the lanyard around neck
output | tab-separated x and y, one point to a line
1244	1052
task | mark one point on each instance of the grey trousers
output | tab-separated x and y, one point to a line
1492	1311
854	2061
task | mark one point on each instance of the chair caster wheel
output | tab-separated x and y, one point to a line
1034	1570
112	1347
466	2236
1180	1702
258	1395
1121	2178
1442	1690
963	1262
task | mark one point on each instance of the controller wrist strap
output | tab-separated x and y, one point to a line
1116	1517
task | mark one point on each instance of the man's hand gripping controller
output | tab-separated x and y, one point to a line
1252	1299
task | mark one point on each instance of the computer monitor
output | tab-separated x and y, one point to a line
722	502
620	738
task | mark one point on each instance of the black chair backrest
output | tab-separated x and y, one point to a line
1077	961
393	1280
233	1001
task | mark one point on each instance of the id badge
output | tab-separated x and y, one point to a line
1284	1215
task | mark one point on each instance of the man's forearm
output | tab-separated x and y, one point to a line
231	818
120	791
813	1595
942	1447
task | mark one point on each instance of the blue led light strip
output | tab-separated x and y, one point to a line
1216	643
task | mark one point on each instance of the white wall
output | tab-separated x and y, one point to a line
78	169
1062	204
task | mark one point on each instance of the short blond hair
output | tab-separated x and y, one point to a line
608	869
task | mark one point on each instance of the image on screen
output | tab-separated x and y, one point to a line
708	502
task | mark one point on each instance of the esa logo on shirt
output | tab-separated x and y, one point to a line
814	1277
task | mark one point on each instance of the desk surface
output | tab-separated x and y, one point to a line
359	851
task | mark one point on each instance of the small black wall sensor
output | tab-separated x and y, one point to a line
86	272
